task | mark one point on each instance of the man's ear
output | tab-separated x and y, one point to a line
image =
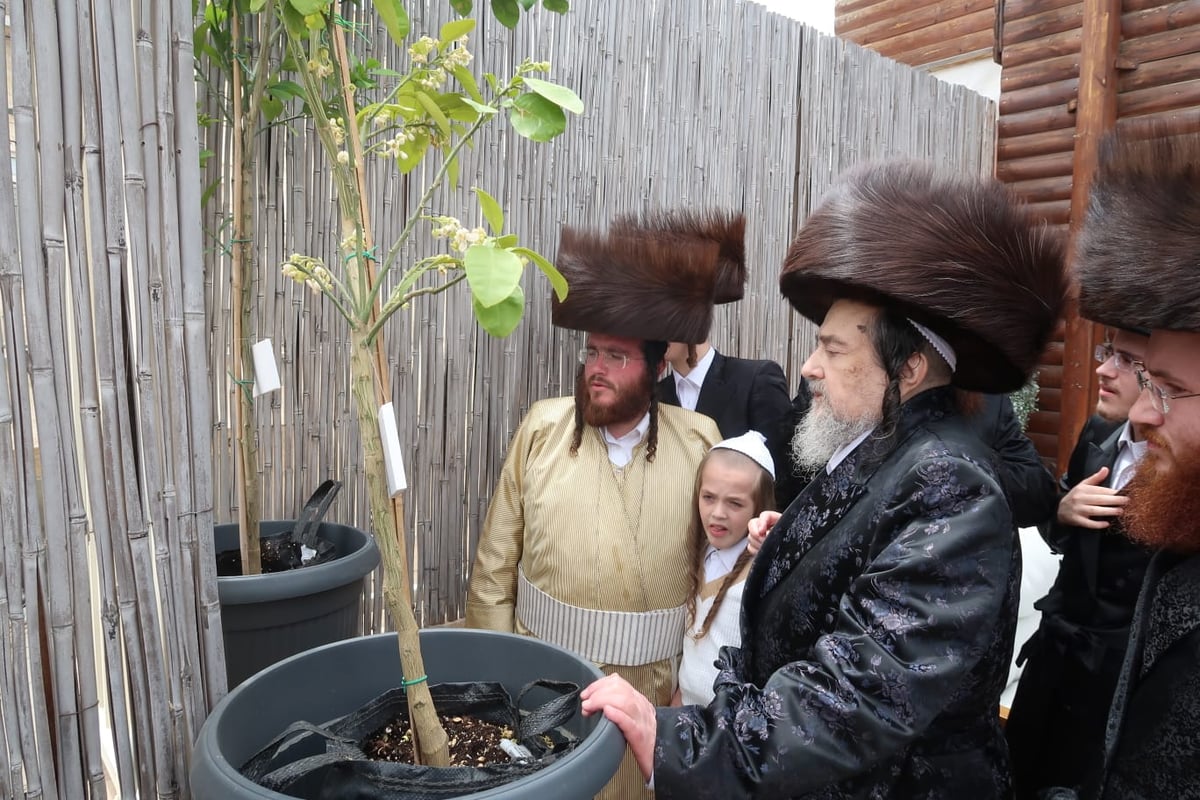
913	374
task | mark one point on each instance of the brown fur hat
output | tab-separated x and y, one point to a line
726	228
1137	258
951	251
636	286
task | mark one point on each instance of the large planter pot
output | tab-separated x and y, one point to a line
334	680
266	618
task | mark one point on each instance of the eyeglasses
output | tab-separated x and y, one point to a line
1120	360
1159	396
609	359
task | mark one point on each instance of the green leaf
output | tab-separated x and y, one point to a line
536	118
395	19
491	210
272	107
463	7
285	90
454	29
508	241
561	96
486	111
557	6
507	12
551	272
293	21
467	81
492	272
435	113
257	6
306	7
412	152
526	4
501	319
452	173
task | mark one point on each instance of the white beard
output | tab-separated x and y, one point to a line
822	433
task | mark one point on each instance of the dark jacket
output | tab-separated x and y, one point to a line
877	629
1056	725
1153	742
1030	486
740	394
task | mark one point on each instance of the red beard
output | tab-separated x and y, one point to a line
630	403
1164	504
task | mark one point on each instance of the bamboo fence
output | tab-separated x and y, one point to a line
115	396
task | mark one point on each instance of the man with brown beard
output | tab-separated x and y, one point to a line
586	539
1138	266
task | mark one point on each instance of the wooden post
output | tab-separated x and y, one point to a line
1096	114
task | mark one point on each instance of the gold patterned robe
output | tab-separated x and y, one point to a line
591	534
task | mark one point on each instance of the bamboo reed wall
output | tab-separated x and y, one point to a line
918	32
688	104
108	591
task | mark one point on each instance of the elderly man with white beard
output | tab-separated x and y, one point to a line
878	619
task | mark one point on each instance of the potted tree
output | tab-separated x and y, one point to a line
416	118
266	615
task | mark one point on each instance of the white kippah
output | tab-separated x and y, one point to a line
753	445
941	345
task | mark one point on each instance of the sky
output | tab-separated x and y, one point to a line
817	13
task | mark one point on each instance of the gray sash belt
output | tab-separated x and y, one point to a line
622	638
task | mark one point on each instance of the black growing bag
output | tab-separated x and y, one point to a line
327	762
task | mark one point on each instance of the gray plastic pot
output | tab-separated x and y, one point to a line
334	680
266	618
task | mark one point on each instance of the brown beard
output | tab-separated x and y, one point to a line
630	404
1164	504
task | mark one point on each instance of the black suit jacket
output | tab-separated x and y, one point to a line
739	394
1028	484
1057	723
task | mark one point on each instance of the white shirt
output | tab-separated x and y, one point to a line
1129	453
620	448
719	563
687	387
840	455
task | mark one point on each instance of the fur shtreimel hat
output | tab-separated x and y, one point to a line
636	286
726	228
1137	258
956	253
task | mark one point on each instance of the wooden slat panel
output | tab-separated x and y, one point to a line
911	17
1157	73
1043	24
1037	72
1039	120
1060	44
1039	96
1035	144
1048	166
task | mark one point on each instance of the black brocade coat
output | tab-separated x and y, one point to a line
1153	746
877	630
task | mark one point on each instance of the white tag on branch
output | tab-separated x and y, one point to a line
392	458
266	374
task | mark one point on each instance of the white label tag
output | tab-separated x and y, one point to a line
392	458
266	374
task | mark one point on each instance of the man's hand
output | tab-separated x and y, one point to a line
630	711
1088	500
759	527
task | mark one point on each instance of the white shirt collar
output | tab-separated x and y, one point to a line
1129	453
719	563
840	455
620	448
687	387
